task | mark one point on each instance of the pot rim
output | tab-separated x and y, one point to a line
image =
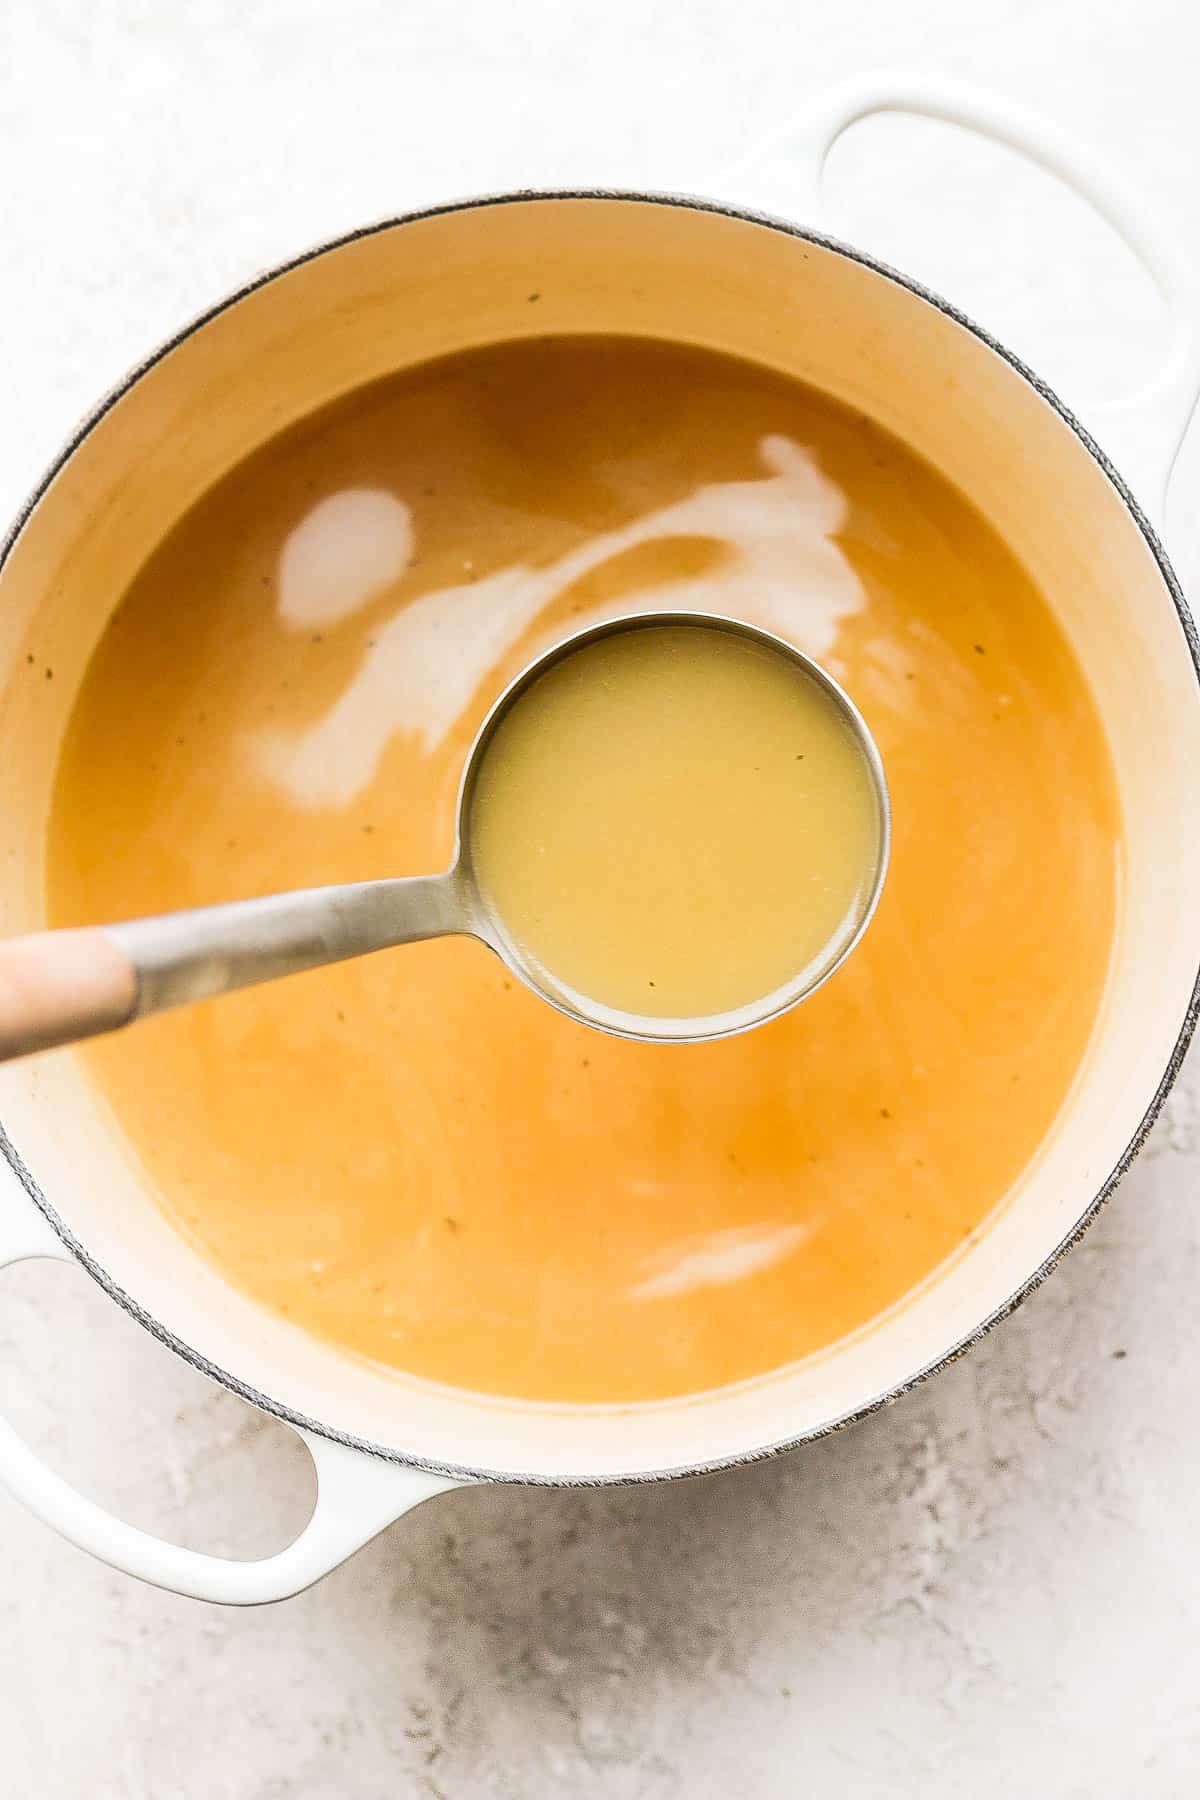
747	215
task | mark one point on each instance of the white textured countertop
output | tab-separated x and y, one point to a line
993	1588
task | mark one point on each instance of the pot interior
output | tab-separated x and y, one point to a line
433	285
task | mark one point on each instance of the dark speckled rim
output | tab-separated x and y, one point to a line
470	1473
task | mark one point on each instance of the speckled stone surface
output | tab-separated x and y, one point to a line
991	1589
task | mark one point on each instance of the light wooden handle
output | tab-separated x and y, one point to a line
60	986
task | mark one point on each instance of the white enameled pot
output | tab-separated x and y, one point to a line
760	288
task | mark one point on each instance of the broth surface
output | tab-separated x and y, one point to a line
410	1155
675	822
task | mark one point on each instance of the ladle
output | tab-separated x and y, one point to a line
60	986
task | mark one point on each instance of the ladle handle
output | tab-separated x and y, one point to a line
60	986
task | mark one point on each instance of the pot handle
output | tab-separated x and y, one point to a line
357	1494
1145	428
